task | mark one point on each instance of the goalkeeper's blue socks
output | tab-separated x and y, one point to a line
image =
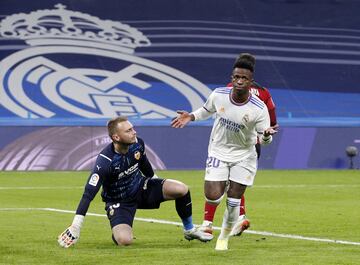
184	210
187	222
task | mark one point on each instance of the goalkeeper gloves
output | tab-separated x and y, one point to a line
71	235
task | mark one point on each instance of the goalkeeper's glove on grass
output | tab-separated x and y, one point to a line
71	234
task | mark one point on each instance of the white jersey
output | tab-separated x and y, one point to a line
236	126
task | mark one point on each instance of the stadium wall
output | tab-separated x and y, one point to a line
76	147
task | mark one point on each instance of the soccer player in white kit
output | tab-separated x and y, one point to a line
240	118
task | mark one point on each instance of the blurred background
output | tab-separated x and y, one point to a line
68	66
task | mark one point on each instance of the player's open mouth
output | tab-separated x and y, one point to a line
239	87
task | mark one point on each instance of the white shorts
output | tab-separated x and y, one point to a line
242	172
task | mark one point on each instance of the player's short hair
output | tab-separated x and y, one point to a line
113	123
246	61
247	57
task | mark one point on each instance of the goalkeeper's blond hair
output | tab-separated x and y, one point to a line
113	123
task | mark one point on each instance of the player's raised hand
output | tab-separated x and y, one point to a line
69	237
271	130
181	120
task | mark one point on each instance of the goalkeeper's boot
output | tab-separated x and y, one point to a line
206	227
196	233
240	226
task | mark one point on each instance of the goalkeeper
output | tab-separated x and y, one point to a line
128	182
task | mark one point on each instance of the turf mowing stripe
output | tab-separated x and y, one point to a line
150	220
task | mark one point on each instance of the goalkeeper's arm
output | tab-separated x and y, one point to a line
72	234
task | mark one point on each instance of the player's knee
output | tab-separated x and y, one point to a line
123	240
214	195
182	189
214	198
214	191
175	189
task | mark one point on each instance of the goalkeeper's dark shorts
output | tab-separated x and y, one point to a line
149	197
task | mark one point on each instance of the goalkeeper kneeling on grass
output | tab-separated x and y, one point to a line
128	182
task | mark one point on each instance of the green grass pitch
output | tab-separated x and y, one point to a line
313	204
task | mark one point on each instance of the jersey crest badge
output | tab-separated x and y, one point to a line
246	118
137	155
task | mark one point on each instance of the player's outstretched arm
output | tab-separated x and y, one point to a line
182	119
71	234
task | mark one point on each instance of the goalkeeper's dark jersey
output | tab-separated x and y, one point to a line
121	176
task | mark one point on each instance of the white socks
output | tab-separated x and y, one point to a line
231	215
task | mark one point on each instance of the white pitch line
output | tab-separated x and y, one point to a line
254	187
42	188
307	186
159	221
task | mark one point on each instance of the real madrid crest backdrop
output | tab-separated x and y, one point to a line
68	66
147	59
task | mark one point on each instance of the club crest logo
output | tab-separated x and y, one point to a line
246	118
137	155
78	65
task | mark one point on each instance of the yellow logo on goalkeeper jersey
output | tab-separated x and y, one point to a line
137	155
